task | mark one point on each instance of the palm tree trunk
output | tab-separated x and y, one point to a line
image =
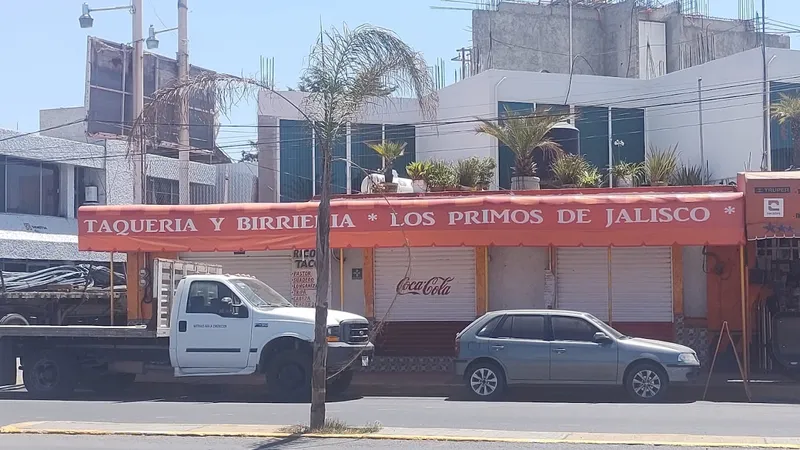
318	370
387	172
794	126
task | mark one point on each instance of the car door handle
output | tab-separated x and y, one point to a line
182	326
498	347
559	350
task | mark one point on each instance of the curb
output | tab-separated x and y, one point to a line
201	431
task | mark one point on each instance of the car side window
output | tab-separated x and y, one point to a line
487	329
572	329
522	327
205	297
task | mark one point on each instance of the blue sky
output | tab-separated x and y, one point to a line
44	50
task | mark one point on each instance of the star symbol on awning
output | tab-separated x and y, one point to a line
770	227
730	210
372	217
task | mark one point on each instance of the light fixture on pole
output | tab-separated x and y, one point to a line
86	20
152	40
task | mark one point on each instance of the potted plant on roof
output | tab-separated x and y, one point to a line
787	111
467	171
441	177
389	151
418	172
690	175
525	135
590	178
569	171
660	164
626	174
486	168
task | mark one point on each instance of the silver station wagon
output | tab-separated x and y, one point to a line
523	347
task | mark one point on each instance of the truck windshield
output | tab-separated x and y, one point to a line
259	294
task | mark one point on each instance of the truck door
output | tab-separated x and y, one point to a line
213	333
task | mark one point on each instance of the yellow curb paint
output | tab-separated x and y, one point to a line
23	428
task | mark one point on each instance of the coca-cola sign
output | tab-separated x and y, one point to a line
431	286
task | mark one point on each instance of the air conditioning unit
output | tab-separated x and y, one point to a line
90	195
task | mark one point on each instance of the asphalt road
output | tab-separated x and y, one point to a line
725	419
11	442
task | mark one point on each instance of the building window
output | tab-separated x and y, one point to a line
161	191
28	187
201	194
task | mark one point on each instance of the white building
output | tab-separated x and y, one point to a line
44	179
632	113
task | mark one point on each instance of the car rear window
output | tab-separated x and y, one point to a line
487	329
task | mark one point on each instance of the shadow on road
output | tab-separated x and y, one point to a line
200	393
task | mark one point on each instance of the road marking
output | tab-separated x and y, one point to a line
406	434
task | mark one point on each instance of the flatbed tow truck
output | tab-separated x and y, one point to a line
207	324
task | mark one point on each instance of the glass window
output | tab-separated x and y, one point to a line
205	297
522	327
25	179
200	194
161	191
572	329
50	190
487	329
259	294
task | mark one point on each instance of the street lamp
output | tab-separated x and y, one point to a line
86	20
152	41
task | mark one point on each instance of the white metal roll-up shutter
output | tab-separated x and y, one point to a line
437	264
272	267
582	280
641	286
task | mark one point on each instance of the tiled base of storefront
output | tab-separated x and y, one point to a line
694	337
412	364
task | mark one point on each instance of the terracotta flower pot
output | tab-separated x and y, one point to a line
525	183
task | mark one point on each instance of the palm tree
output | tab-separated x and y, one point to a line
524	134
788	110
389	151
348	70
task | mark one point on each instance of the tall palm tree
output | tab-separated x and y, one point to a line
389	151
524	134
348	70
788	110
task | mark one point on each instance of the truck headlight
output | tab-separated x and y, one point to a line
688	358
333	334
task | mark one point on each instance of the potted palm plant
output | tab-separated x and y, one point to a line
524	134
418	172
690	175
660	164
389	151
486	168
626	174
569	171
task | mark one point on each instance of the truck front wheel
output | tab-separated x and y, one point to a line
289	376
50	374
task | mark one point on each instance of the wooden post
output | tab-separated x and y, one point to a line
745	336
111	302
610	294
341	279
8	364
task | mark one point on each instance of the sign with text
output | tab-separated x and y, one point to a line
304	277
715	218
436	286
773	203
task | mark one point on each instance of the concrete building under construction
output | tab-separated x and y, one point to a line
618	38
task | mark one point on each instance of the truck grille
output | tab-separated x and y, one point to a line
355	332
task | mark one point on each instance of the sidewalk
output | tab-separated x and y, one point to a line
415	434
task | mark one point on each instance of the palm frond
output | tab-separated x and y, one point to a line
787	108
389	150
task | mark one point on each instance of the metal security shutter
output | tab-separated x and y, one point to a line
272	267
582	280
458	304
641	284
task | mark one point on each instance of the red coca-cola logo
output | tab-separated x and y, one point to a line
431	286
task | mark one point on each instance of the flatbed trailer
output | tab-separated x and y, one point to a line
76	307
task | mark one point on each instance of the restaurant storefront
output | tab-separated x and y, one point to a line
429	265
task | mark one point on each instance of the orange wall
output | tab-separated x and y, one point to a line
140	310
724	289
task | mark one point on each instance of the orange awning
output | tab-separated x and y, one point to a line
772	202
633	219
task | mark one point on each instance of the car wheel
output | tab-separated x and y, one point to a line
50	374
646	383
486	381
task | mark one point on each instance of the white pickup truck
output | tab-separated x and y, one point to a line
210	325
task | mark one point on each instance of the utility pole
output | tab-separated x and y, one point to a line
700	119
765	162
139	149
183	107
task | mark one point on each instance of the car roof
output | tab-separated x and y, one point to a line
545	312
